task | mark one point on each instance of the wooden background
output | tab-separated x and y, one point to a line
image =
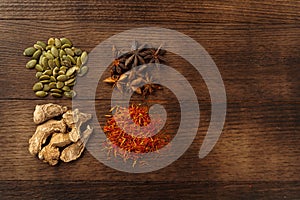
256	46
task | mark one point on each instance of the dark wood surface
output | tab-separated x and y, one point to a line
256	47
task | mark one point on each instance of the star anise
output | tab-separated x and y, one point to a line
135	56
155	55
117	67
142	77
150	88
117	82
138	79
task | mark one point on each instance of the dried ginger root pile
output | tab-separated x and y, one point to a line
58	135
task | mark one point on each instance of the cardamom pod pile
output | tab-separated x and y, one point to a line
139	55
57	64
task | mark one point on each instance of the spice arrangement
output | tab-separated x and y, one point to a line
136	141
129	72
57	64
59	134
139	55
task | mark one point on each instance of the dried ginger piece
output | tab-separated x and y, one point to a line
75	119
51	153
42	132
60	139
75	150
48	111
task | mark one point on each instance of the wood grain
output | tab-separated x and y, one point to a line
255	45
259	66
259	142
150	190
271	11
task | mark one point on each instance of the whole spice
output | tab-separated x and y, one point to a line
118	65
45	112
135	141
61	139
74	151
138	55
74	120
43	132
56	62
132	81
155	55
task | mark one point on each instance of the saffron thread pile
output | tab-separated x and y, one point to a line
120	144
